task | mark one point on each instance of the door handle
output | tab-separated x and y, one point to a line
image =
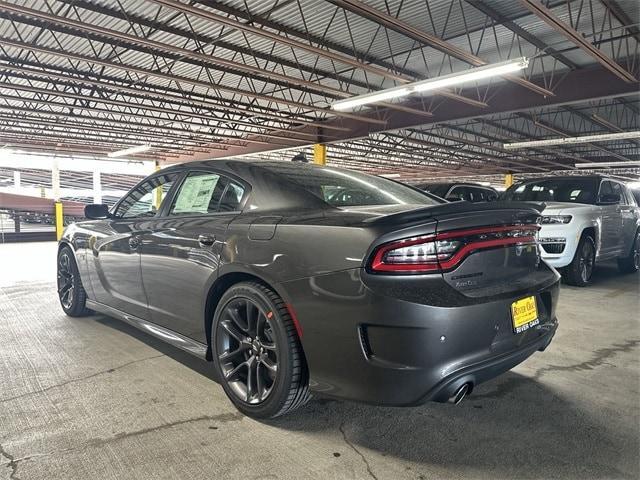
134	243
206	240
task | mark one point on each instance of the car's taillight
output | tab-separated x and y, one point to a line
445	251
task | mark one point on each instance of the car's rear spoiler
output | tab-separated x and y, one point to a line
434	211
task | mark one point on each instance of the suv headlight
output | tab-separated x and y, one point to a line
555	219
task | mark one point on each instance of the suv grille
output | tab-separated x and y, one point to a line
553	247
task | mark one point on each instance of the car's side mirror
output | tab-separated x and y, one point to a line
96	211
609	199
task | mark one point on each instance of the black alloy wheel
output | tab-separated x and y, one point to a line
66	279
257	352
70	290
631	263
247	353
580	270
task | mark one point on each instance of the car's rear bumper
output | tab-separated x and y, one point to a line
488	369
384	348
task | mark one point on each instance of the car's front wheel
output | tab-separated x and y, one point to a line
580	270
257	352
631	263
70	290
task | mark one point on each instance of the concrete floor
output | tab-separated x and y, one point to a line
93	398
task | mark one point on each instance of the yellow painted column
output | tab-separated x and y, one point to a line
320	154
508	180
59	220
157	197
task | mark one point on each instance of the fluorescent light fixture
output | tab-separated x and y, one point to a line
390	175
608	164
129	151
606	137
431	84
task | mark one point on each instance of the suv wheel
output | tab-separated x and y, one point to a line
257	352
580	270
631	263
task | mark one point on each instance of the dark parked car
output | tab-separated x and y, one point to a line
454	192
384	294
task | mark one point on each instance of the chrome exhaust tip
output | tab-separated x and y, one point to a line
459	395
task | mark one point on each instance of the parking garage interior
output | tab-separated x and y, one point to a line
97	95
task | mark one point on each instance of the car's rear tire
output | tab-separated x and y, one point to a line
257	352
631	263
580	270
71	293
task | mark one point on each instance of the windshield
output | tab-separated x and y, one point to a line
573	190
346	188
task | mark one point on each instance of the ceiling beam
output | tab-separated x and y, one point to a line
557	131
577	86
54	74
578	39
250	29
621	16
326	52
207	39
178	79
418	35
153	47
488	10
149	108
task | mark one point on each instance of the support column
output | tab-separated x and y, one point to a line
55	187
508	180
55	180
97	187
320	154
59	220
157	194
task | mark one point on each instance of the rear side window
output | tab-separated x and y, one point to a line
439	189
491	195
232	198
345	188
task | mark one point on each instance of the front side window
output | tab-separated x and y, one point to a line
629	196
145	199
573	190
617	190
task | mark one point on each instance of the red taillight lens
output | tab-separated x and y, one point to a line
445	251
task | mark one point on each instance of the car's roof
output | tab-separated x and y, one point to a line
462	184
563	177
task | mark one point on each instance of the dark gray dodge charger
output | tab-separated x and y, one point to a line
294	278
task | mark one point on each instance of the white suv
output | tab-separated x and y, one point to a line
587	219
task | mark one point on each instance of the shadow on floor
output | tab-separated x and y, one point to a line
196	364
607	274
513	427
